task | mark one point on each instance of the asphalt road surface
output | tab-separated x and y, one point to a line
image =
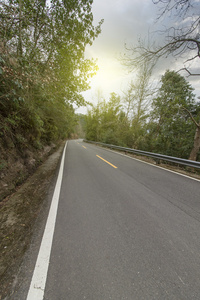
124	230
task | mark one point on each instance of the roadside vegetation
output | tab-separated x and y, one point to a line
164	117
42	72
165	121
42	68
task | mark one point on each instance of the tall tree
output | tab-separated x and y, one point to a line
195	117
137	101
172	115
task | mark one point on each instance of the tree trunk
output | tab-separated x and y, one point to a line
196	145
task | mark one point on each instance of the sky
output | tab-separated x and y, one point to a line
125	21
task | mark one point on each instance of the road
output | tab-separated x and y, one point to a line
124	230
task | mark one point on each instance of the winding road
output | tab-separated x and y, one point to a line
124	229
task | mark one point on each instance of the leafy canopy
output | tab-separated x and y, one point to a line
42	64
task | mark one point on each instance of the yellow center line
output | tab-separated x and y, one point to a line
106	161
84	147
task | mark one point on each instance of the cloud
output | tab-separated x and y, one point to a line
125	21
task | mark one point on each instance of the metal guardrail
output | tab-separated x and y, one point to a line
180	161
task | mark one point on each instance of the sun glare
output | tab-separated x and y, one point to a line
109	75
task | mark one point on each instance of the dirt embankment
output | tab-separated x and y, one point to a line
17	162
19	210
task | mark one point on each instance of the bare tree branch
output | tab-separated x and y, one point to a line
181	40
190	74
192	118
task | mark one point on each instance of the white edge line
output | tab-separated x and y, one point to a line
37	286
152	165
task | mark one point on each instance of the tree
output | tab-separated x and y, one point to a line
196	145
92	124
182	38
42	64
137	102
107	122
172	116
50	38
110	120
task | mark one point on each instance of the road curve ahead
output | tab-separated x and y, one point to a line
124	230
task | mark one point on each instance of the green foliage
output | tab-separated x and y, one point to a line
171	128
137	101
167	126
108	123
42	67
79	130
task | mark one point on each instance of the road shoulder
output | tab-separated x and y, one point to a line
21	215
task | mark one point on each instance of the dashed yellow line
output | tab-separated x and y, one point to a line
84	147
106	161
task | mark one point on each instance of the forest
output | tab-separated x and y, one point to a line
162	120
